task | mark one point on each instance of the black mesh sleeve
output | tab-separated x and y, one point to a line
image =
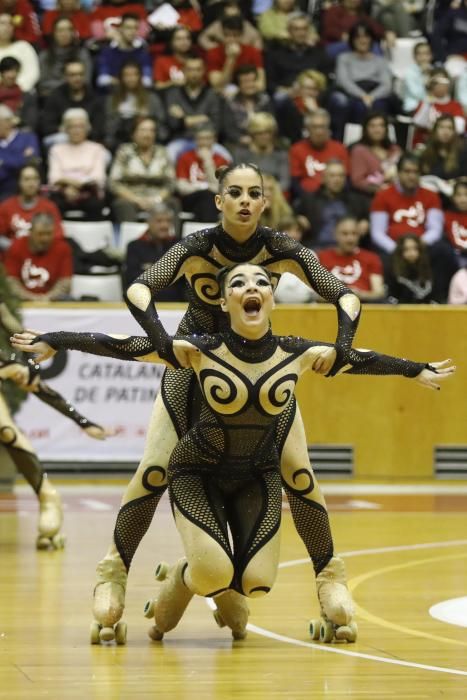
323	282
52	398
130	348
371	362
159	276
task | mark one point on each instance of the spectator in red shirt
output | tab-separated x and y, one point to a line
105	19
71	9
438	101
455	219
24	18
224	60
195	171
308	157
360	270
16	213
405	207
168	70
39	266
23	104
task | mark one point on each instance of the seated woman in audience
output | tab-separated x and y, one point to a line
71	9
458	287
141	174
416	76
77	169
309	94
129	101
455	220
168	69
409	278
438	101
264	149
22	51
64	47
363	79
444	158
196	175
373	160
213	35
23	104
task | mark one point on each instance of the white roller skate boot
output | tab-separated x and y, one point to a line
172	599
337	610
50	518
232	611
109	602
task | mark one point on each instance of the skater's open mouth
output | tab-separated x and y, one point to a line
252	306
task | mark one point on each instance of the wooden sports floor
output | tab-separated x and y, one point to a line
405	550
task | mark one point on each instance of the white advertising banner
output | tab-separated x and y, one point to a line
117	395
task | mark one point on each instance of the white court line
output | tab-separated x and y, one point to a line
95	505
356	654
393	489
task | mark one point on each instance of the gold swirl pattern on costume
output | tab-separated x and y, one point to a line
206	288
276	392
224	390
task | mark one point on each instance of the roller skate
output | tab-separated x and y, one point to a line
109	602
172	599
232	611
336	624
50	518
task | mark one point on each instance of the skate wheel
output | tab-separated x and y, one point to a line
155	634
326	632
107	634
42	542
218	618
94	632
162	570
149	609
58	541
120	632
315	629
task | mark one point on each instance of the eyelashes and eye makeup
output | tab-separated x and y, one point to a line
241	282
236	192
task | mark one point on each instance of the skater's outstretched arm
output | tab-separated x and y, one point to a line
120	347
371	362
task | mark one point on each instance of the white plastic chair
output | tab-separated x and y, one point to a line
104	287
90	235
130	231
192	226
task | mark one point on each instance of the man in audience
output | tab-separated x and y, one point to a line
126	47
360	270
308	157
285	61
223	60
17	212
72	93
145	251
39	266
332	201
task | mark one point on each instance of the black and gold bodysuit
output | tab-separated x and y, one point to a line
197	259
224	471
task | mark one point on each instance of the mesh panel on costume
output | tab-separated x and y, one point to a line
269	524
28	465
312	523
99	344
52	398
375	363
196	499
133	521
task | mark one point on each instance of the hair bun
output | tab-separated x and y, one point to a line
220	171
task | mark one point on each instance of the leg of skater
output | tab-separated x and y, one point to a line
28	464
310	516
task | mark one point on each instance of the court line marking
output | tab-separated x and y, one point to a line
356	654
363	612
93	504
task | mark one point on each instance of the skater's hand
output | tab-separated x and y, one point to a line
185	352
324	361
98	433
23	342
431	379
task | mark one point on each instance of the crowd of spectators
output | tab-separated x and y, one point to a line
122	111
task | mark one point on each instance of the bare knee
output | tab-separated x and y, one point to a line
8	435
256	584
207	576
